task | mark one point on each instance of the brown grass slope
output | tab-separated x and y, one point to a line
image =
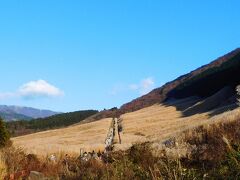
155	124
203	150
161	121
88	136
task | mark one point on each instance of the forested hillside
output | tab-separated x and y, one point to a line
23	127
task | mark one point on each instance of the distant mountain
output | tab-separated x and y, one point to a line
11	116
13	113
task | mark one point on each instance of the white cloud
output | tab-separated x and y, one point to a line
117	88
39	88
34	89
133	87
144	87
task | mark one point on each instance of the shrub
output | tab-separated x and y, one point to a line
229	167
4	134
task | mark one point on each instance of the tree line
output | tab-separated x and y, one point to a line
23	127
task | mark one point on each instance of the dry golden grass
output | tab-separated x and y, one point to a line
159	122
156	123
2	167
88	137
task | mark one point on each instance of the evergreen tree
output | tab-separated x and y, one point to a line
4	134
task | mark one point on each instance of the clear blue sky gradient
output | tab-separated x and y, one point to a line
90	48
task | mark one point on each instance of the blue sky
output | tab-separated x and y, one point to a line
72	55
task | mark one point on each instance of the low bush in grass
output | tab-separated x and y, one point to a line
4	134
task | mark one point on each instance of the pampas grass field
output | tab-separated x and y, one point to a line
158	142
156	124
88	137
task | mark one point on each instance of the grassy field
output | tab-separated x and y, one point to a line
155	124
208	150
201	146
89	137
